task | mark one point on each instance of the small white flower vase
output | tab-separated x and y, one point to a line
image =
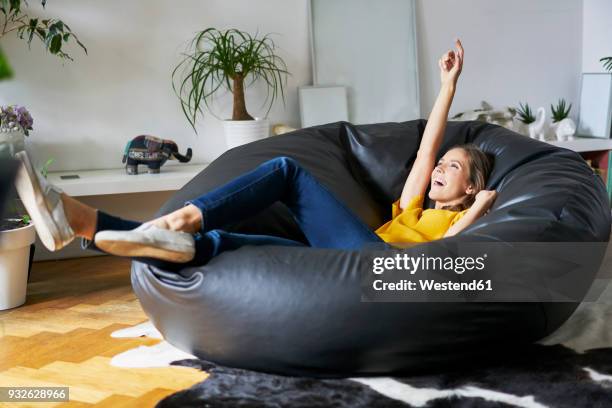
12	140
564	130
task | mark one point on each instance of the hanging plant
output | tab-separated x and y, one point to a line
52	33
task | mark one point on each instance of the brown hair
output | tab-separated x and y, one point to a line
480	166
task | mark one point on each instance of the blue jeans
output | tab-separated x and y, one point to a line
325	221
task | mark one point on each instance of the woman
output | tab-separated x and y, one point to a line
192	235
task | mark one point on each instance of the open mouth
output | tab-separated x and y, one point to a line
438	183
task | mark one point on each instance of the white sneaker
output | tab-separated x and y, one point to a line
148	241
43	202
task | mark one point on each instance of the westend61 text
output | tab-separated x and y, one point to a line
431	285
412	264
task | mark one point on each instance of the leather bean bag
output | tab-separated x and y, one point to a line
297	310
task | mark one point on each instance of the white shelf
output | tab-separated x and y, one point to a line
585	144
117	181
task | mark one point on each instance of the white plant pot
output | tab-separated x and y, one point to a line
239	132
11	142
14	263
563	130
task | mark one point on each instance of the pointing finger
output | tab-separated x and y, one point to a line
459	46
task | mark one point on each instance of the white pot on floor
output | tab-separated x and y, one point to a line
14	263
239	132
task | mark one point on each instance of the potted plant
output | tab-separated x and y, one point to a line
524	117
227	59
562	127
17	233
52	33
17	236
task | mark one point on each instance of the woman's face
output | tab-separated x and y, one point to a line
450	178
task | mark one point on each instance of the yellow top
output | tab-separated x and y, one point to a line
417	225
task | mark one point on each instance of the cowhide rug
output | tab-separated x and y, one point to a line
571	368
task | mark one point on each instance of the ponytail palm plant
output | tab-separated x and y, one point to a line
227	59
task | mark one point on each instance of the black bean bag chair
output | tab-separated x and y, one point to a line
297	310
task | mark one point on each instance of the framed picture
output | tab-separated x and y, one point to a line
322	104
595	119
370	47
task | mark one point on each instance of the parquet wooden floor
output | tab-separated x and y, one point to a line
61	337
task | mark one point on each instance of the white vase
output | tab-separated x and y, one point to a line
14	263
11	142
563	130
239	132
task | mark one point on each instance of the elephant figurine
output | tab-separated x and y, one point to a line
153	152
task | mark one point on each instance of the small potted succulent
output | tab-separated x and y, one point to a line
532	125
562	127
524	117
228	59
17	233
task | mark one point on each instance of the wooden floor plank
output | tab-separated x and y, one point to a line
61	337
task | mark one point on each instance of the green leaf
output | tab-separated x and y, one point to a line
525	113
5	69
560	112
56	44
607	63
45	168
57	27
15	6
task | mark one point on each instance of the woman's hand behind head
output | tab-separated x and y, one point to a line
484	199
451	64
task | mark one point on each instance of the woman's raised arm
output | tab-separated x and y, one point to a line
450	65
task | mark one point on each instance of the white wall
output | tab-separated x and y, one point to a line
597	34
85	111
519	50
522	50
